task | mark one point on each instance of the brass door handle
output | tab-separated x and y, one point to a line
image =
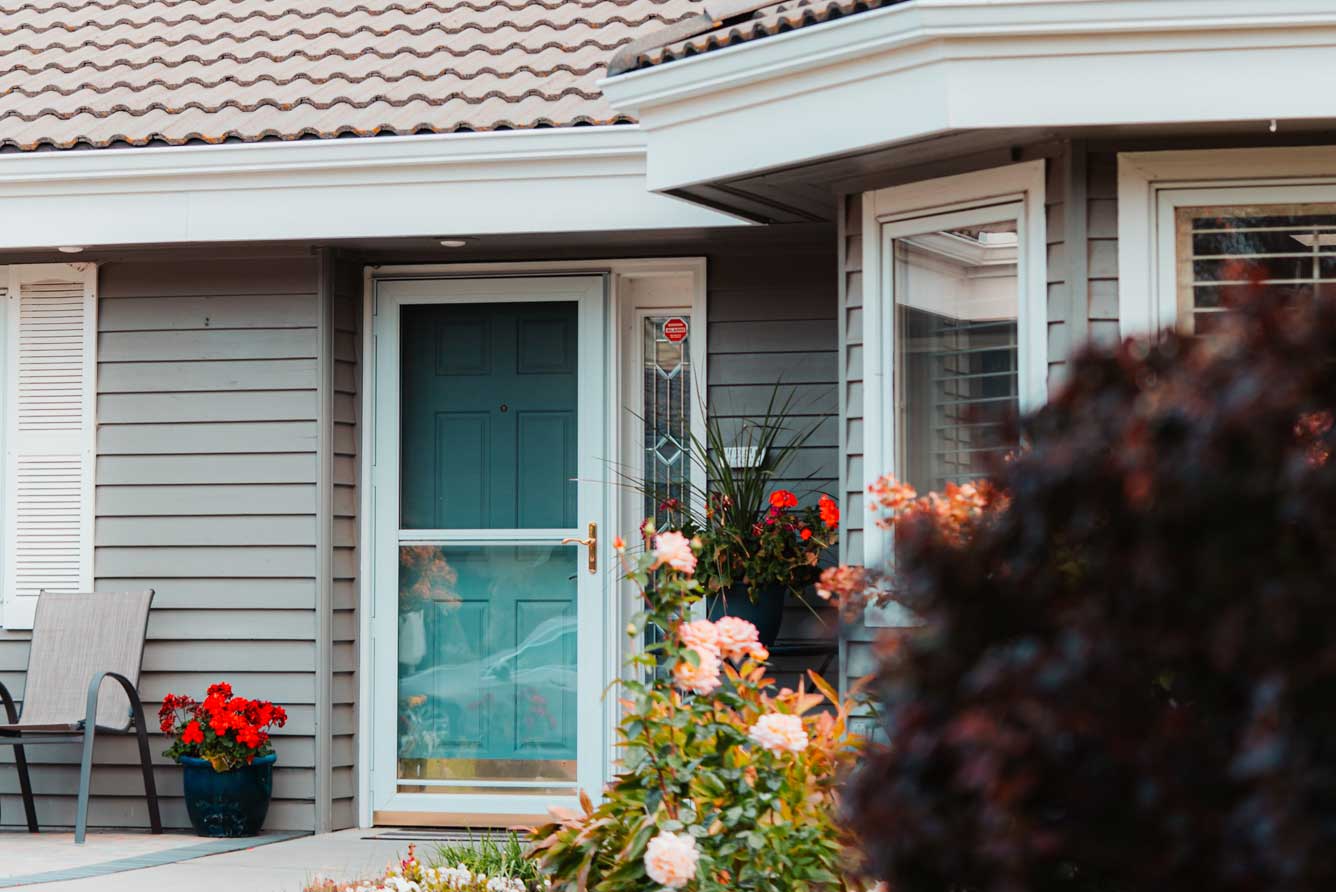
590	543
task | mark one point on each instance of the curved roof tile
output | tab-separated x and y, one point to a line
95	73
723	23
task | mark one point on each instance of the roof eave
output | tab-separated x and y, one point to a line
568	180
931	66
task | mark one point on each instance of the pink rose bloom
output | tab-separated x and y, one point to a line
674	549
738	639
700	635
702	678
779	733
670	859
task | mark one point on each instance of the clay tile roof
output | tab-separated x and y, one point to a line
81	73
722	23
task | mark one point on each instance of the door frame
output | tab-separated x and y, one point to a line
624	303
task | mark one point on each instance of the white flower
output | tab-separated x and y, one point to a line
779	732
670	859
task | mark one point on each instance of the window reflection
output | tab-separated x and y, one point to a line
487	663
956	302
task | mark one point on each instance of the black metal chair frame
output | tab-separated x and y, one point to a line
86	735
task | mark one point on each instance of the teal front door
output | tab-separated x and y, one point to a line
490	414
497	429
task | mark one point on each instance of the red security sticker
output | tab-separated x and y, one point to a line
675	330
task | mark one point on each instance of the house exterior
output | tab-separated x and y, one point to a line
330	324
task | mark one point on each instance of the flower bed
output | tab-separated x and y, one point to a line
485	867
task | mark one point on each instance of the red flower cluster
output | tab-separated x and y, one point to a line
225	729
830	512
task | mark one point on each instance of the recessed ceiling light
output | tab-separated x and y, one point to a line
70	249
454	242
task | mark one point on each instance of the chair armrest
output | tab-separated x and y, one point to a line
94	686
11	712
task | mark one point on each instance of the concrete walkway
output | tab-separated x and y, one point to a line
276	867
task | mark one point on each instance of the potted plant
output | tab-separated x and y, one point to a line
756	544
223	747
750	562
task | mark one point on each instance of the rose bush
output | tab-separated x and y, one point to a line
725	784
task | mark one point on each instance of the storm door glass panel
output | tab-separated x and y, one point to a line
667	394
489	416
956	300
487	666
487	637
1289	249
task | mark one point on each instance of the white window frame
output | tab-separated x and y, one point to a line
1153	185
1022	185
624	311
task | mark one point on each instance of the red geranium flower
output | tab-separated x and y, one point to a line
782	498
805	534
238	726
192	733
830	512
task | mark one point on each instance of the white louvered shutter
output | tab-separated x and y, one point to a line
50	392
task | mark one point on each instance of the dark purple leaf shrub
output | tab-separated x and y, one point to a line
1127	679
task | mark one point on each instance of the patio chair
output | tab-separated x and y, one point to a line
78	642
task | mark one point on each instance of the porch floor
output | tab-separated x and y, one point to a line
270	863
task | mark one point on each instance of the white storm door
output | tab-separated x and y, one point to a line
488	633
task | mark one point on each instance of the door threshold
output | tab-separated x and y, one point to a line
461	820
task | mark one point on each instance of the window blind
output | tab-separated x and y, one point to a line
1289	249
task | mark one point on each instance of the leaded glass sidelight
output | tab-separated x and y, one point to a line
667	411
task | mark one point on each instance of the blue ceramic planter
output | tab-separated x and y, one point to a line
766	614
228	803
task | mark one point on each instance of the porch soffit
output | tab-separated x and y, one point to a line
740	100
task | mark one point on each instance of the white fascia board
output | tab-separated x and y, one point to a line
558	180
930	66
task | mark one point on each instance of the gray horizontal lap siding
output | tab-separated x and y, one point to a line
207	493
346	441
772	318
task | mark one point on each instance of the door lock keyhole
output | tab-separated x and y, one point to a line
505	408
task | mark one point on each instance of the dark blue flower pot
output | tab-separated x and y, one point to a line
766	613
229	803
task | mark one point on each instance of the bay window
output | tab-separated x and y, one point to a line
954	329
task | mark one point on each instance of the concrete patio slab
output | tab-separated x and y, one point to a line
28	859
283	866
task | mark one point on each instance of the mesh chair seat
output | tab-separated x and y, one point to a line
82	678
54	728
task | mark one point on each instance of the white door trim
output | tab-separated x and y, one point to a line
591	294
620	304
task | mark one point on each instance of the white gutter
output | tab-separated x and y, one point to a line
557	180
929	66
